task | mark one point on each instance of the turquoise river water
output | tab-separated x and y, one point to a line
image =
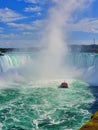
39	104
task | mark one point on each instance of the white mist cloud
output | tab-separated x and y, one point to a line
8	15
32	9
31	1
4	36
60	14
85	25
21	26
32	26
36	1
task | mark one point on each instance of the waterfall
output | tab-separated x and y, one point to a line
86	64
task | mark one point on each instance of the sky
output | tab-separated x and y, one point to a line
23	23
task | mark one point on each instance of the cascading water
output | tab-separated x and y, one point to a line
82	66
29	102
30	98
86	64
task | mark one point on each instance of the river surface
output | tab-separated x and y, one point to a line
30	103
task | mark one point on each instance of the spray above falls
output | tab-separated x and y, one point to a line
52	63
60	14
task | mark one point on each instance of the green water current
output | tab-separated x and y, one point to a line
44	106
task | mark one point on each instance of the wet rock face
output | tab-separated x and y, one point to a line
92	124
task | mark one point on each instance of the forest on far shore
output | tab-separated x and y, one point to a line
93	48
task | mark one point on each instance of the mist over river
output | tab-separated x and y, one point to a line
31	100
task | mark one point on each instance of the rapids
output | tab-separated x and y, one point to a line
44	106
29	102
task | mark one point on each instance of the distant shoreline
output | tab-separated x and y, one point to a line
7	50
93	48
